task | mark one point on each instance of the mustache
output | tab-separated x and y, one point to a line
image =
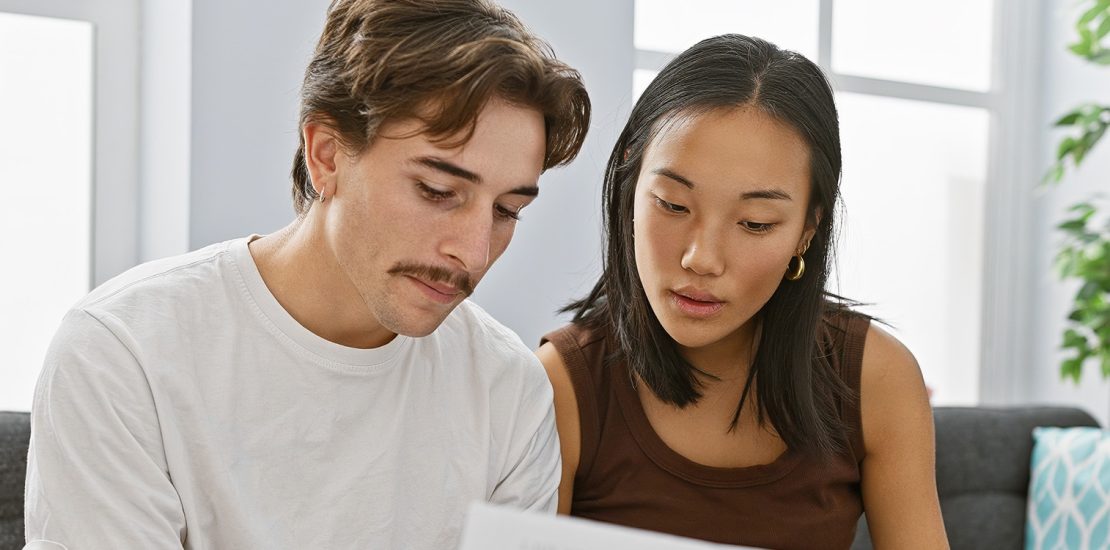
458	279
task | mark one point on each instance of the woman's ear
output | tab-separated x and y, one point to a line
810	230
322	153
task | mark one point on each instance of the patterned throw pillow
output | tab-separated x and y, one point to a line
1069	490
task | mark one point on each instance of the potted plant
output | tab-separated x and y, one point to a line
1084	252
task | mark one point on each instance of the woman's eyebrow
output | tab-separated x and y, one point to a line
767	194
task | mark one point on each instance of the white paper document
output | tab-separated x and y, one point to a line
494	528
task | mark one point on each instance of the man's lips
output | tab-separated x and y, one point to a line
441	287
437	292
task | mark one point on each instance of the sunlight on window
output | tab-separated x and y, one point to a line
661	26
912	241
46	148
942	42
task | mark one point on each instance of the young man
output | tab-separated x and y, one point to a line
329	386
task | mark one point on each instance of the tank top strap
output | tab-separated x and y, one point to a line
584	352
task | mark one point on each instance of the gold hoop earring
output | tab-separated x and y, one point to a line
796	273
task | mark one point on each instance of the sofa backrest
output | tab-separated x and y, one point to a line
983	459
15	434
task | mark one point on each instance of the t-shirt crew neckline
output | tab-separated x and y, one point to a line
328	352
670	460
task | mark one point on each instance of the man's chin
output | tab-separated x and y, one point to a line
420	326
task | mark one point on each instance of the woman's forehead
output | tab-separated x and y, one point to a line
738	148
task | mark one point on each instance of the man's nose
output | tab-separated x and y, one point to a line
470	240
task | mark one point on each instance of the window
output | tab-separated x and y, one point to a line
918	115
68	95
45	215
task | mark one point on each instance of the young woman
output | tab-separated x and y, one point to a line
708	385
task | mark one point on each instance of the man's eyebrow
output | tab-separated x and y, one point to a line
526	190
769	194
457	171
454	170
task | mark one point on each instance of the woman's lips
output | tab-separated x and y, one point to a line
696	304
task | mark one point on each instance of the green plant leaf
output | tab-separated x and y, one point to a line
1072	226
1103	28
1088	290
1087	35
1074	340
1092	136
1069	119
1096	255
1081	48
1066	146
1065	264
1071	368
1084	209
1088	16
1079	152
1102	57
1091	115
1054	174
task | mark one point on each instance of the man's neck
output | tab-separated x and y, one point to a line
301	272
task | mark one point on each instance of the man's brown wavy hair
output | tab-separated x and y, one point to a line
438	61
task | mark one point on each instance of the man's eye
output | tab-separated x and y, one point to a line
670	207
432	193
507	213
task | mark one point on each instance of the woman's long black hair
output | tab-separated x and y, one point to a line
798	391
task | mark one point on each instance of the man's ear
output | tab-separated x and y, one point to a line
322	154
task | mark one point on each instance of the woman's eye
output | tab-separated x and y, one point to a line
756	227
432	193
507	213
671	207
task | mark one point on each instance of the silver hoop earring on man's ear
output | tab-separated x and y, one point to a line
321	196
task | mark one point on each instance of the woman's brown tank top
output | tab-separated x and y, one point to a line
627	475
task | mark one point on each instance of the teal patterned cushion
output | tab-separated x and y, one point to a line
1069	490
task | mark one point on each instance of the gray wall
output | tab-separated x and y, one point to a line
247	64
556	252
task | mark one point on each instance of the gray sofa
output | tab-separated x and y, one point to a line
982	473
15	432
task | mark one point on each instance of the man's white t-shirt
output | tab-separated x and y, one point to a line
181	406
